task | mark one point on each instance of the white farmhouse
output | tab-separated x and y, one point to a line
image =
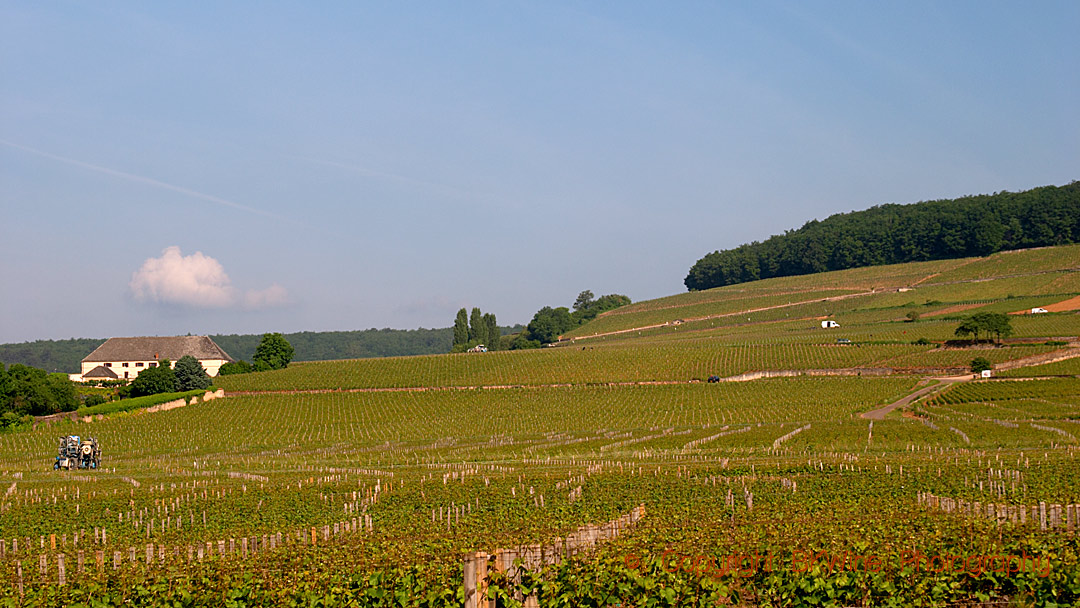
124	358
829	324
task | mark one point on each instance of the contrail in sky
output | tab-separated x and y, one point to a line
139	179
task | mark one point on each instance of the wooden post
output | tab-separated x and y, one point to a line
1042	515
116	557
61	575
79	562
19	576
482	580
475	580
149	554
532	557
43	566
99	560
469	582
314	536
504	562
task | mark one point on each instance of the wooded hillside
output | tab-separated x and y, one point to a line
895	234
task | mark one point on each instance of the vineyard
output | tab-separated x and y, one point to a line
603	472
1047	275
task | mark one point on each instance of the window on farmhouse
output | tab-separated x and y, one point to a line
138	365
153	365
125	365
108	365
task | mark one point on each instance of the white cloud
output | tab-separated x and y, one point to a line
196	281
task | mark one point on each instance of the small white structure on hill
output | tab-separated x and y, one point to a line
124	358
479	348
829	324
1038	311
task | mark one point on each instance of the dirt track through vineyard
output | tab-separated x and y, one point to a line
718	316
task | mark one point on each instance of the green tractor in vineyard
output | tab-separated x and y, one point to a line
78	453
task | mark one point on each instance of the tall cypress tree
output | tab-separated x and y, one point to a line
493	335
477	329
461	327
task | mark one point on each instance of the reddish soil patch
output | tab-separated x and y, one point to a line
952	309
1064	305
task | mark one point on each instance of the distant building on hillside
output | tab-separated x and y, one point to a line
124	358
829	324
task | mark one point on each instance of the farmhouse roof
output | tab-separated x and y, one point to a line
154	347
101	372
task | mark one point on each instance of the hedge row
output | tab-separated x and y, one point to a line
125	405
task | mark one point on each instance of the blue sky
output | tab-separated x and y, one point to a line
244	167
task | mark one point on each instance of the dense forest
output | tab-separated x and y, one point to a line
50	355
894	234
65	355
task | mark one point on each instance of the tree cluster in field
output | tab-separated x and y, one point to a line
273	352
188	375
985	323
29	391
980	364
895	234
475	329
550	323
